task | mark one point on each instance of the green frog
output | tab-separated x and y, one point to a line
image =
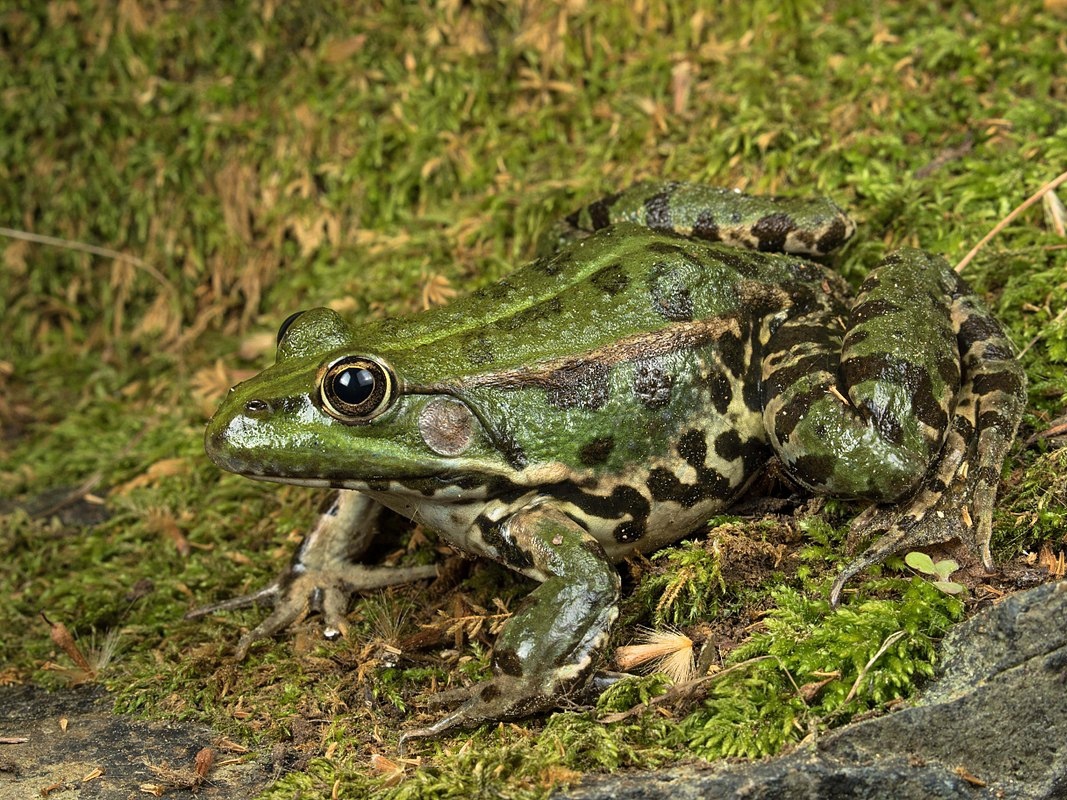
607	399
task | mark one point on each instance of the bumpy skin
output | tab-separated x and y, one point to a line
613	395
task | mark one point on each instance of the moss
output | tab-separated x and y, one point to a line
256	158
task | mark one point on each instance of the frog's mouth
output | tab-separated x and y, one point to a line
261	464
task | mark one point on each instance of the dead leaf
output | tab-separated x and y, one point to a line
337	50
1055	213
163	523
436	291
681	84
256	345
160	470
203	762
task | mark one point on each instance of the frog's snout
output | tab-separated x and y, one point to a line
215	441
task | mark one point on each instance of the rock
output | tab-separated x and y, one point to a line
992	725
102	755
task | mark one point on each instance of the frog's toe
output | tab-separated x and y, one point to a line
265	596
962	511
287	612
502	697
299	592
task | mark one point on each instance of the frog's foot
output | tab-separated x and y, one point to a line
322	576
499	698
958	494
297	593
548	647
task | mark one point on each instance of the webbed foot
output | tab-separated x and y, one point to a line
499	698
296	594
322	576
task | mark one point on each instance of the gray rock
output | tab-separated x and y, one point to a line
101	755
993	725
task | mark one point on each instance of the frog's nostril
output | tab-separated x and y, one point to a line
257	406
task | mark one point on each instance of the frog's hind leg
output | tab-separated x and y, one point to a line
548	647
323	573
914	400
958	494
806	226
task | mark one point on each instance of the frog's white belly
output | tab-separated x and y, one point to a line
463	522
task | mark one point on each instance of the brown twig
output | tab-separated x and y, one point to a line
92	249
1048	187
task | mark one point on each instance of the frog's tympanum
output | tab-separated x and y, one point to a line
611	396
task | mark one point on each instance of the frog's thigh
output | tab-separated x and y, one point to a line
862	411
814	226
549	645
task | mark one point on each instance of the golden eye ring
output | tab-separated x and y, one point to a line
356	389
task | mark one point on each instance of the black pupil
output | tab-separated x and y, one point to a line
354	385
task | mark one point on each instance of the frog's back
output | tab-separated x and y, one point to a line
620	376
623	286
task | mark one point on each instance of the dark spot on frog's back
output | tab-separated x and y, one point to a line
478	350
743	262
1006	381
549	308
732	353
611	280
872	309
652	385
600	211
772	230
693	447
720	391
835	236
552	265
669	293
582	386
658	211
976	328
596	451
924	404
496	291
728	445
705	227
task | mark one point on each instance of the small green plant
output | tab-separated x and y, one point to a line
690	589
920	562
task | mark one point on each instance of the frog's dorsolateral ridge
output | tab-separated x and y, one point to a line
615	393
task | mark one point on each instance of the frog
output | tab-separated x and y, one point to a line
667	345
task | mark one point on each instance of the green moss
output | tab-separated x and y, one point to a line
688	590
1034	510
812	665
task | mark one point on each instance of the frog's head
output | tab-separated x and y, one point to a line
330	413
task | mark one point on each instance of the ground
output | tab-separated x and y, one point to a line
204	169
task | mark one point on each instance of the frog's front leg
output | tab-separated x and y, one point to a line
914	402
548	647
323	573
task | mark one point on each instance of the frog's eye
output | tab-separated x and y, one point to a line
356	389
284	327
